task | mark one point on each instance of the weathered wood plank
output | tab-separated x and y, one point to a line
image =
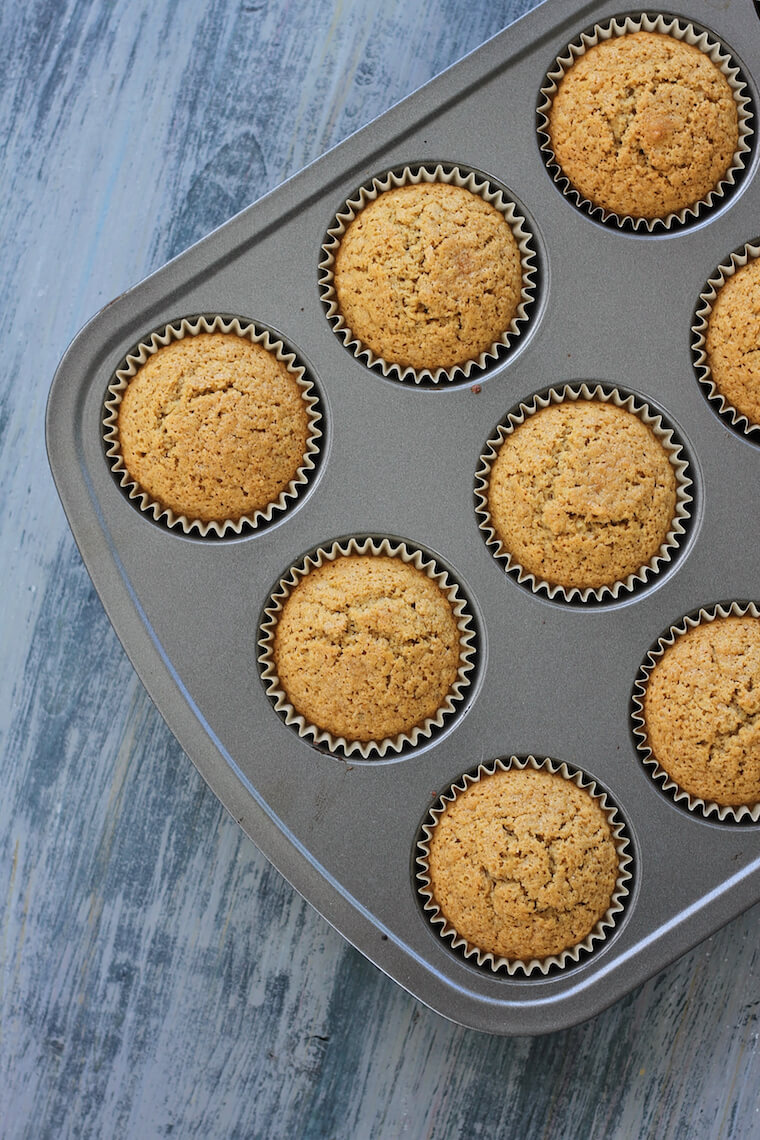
157	977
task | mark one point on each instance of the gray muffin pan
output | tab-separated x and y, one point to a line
400	460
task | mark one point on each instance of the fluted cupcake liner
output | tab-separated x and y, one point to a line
709	809
487	959
663	432
737	419
681	30
177	330
407	176
463	616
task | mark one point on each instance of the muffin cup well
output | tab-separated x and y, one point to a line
738	420
486	958
681	30
706	808
407	176
463	615
178	330
675	451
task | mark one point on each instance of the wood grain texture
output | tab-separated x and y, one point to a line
157	977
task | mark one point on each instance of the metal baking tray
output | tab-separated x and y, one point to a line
400	460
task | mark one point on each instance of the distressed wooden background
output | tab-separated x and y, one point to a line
157	977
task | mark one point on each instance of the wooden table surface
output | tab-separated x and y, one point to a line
157	976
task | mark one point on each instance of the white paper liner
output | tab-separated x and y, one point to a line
465	624
664	434
707	808
680	30
177	330
456	176
707	298
487	958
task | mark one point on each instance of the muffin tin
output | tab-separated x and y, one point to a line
398	461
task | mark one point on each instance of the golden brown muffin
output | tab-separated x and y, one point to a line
367	647
428	275
523	864
702	711
213	427
644	125
732	343
582	494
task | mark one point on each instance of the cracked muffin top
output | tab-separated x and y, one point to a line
732	343
523	864
367	647
582	494
213	426
644	125
702	711
428	275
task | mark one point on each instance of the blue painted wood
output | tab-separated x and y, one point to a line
157	977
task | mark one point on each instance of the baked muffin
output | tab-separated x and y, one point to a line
213	426
523	864
644	125
732	341
582	494
428	275
701	711
366	647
